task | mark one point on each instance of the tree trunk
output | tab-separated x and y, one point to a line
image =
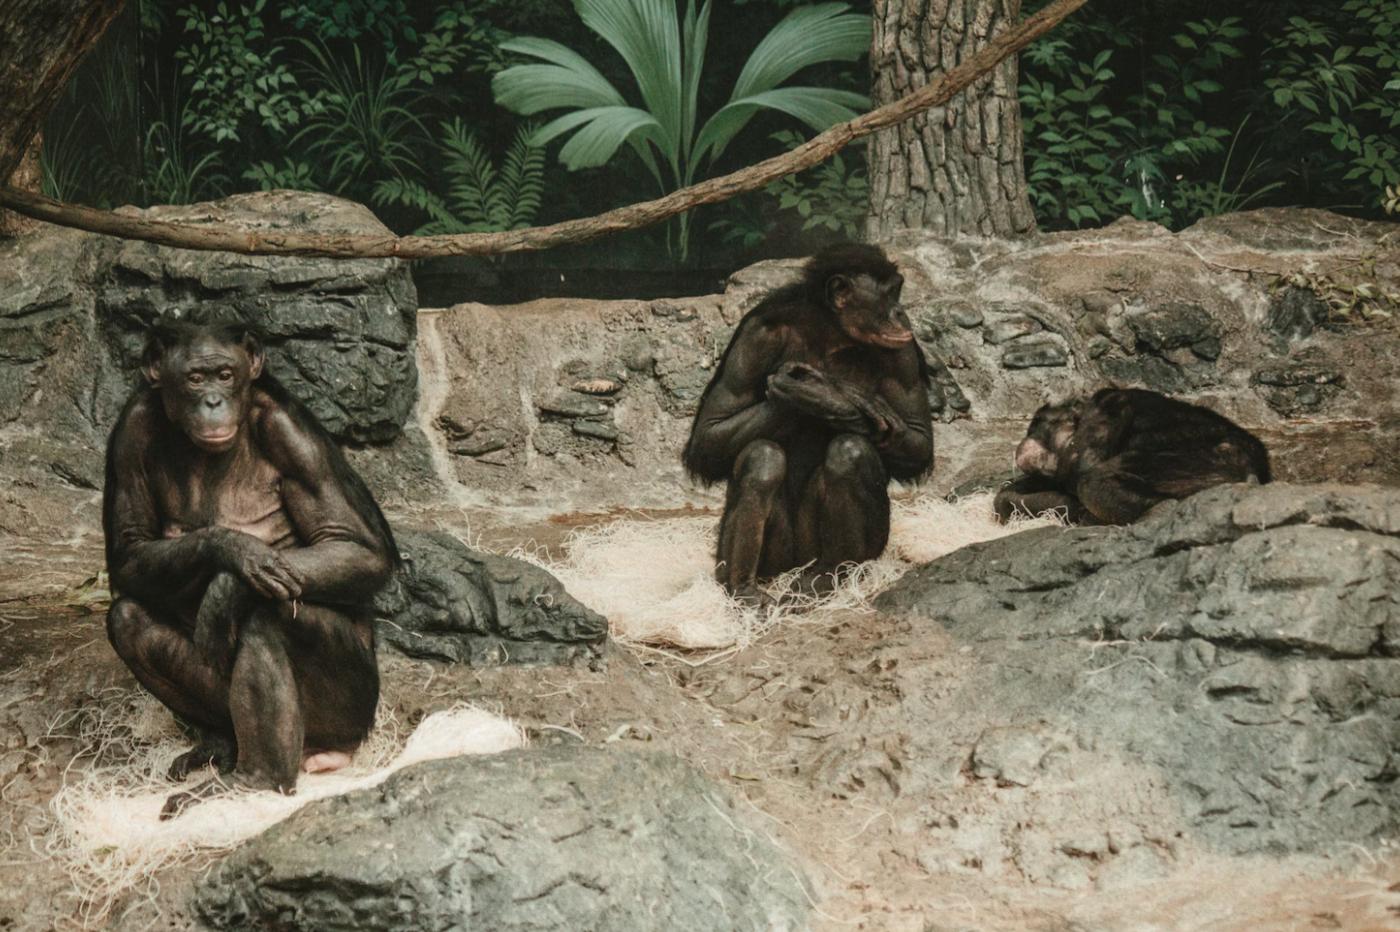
27	177
957	169
41	43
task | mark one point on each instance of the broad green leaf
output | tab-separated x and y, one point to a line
807	36
818	107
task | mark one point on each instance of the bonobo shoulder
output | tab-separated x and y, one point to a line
292	445
139	421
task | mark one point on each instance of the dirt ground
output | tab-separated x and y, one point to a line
779	724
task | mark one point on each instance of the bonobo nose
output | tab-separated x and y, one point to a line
213	401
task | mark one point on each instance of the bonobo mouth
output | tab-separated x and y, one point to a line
214	439
1032	458
891	339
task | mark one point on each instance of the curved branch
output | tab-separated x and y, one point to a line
714	190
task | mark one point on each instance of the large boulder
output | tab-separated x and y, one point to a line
73	308
1239	651
555	839
450	602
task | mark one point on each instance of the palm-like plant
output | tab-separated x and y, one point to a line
481	197
665	53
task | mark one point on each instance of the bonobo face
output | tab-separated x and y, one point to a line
205	383
1047	448
868	309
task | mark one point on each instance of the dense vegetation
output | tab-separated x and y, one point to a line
1165	110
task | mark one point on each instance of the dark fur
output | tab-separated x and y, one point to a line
1131	449
792	304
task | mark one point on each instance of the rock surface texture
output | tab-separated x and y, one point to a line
1240	650
73	311
593	399
561	838
453	603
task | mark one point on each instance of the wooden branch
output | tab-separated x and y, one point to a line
714	190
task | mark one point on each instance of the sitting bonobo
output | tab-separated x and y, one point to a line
245	550
1107	459
819	400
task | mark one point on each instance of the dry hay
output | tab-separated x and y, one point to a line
654	578
106	826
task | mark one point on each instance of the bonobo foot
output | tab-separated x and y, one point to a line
212	748
749	595
177	803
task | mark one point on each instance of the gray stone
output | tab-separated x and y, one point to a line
573	404
600	430
1030	354
1244	644
557	838
453	603
1000	330
1294	313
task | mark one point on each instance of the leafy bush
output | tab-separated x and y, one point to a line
480	198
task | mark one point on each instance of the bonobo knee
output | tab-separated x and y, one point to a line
762	465
124	622
851	456
224	586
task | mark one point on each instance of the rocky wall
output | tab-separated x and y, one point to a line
589	402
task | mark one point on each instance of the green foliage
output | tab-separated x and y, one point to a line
235	74
832	196
481	198
363	122
665	54
1352	90
175	172
1123	116
289	175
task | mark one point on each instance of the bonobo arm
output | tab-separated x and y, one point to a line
140	560
907	448
344	557
736	409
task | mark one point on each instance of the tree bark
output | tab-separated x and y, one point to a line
41	44
29	176
958	169
815	150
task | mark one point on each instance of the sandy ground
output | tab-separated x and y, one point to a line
778	723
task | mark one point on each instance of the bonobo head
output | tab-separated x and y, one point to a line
1048	448
861	288
204	374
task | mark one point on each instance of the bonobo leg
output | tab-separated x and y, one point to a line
1107	494
755	534
303	686
844	516
1035	495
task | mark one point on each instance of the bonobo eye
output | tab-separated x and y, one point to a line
195	378
225	375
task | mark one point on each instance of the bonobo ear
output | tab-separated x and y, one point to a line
838	291
254	349
151	358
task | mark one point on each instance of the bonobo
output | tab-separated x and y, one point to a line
1107	459
820	399
245	550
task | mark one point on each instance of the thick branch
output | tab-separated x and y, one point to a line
813	152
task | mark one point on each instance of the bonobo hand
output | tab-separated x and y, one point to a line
809	390
884	423
260	566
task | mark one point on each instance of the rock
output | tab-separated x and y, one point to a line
453	603
1029	354
73	308
1009	328
600	430
1294	313
573	404
560	838
1243	644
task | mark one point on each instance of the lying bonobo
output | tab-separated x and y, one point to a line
1107	459
245	551
820	400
